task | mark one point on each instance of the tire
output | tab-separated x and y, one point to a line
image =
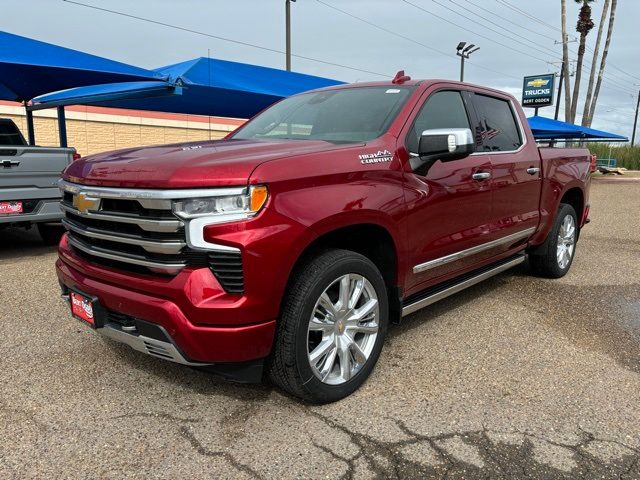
50	233
352	348
554	257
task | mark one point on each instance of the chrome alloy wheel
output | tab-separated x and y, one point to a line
566	241
343	329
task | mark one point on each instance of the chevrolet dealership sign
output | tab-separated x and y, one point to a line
538	91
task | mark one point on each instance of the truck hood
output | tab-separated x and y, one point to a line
202	164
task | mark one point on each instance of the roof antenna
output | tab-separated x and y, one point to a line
400	78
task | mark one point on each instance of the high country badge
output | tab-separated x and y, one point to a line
380	156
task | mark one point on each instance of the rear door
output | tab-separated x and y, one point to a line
515	169
448	210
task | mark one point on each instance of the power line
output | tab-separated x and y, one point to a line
475	33
502	27
548	25
614	66
224	39
479	7
621	87
528	15
391	32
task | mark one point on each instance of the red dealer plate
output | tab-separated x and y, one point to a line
10	208
82	307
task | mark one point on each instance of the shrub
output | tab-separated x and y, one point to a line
626	155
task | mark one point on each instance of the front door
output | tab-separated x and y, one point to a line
449	206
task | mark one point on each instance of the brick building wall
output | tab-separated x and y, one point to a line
97	129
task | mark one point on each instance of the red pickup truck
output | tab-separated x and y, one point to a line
287	248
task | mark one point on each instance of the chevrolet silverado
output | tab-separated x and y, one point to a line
285	250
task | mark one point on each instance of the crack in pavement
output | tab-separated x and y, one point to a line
186	433
499	459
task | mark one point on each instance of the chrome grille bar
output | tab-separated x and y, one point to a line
150	225
157	266
156	246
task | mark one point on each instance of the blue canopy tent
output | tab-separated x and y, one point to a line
548	129
29	68
207	86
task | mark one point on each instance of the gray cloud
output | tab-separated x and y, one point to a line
321	32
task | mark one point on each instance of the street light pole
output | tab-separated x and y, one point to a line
288	29
464	51
635	121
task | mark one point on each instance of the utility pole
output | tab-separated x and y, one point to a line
635	121
288	29
464	51
555	117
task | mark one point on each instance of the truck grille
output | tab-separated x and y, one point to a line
140	235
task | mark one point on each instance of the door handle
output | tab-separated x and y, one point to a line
481	176
532	170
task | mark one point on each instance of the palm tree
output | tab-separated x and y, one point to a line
584	26
603	61
565	60
594	64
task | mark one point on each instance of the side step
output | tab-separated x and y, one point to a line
439	292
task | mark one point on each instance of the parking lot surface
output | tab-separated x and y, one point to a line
519	377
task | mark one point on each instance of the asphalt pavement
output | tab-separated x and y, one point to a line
519	377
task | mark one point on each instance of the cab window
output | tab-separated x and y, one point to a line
443	109
500	132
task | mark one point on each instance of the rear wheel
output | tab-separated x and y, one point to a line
332	327
553	259
50	233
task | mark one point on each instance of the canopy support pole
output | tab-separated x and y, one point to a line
62	126
30	131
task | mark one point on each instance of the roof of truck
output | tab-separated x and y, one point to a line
414	83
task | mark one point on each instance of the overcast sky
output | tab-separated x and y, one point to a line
326	34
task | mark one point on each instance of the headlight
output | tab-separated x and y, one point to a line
225	207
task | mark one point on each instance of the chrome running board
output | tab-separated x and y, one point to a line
457	287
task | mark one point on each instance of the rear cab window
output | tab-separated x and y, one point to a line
498	126
9	134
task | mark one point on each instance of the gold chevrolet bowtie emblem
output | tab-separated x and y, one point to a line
83	204
538	82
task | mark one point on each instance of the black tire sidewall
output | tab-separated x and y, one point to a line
320	391
563	211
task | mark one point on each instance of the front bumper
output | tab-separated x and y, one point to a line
46	210
185	342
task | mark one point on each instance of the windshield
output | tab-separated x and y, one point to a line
342	115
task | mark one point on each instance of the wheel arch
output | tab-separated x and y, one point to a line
574	196
370	239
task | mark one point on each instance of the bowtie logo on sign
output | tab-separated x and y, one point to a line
83	204
538	82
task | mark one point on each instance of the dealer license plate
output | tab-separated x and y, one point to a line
10	208
82	308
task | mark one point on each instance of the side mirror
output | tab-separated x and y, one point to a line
444	144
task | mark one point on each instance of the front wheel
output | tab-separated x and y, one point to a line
553	259
332	327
